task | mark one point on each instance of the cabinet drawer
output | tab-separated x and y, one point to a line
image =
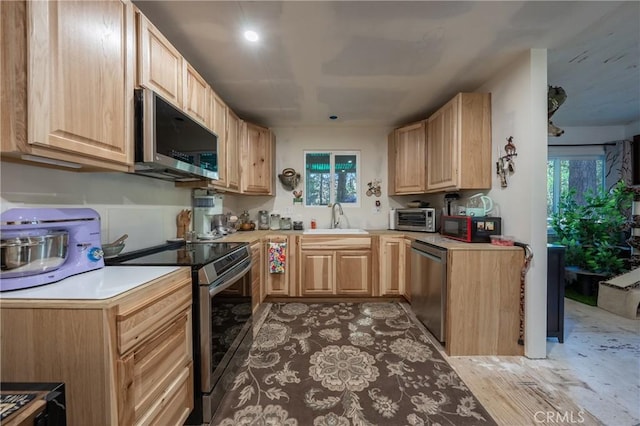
335	243
144	319
153	367
175	403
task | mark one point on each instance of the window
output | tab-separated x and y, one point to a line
332	177
583	173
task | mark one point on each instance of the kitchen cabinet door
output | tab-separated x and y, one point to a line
483	301
407	269
218	123
278	284
256	172
407	160
459	144
353	272
391	266
233	142
317	272
78	107
257	295
123	360
161	67
197	102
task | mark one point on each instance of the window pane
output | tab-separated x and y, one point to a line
582	175
346	178
317	179
550	173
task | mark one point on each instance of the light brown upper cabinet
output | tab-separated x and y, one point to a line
161	67
459	144
67	83
218	123
234	133
197	102
256	160
407	159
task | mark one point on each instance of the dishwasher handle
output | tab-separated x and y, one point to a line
438	254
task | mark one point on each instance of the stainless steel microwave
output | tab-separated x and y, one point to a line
169	144
418	219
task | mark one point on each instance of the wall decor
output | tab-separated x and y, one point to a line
297	196
289	179
505	164
374	188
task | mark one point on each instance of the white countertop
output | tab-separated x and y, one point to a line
100	284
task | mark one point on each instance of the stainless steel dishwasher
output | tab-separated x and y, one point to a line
429	286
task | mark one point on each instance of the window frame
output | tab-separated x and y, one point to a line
332	171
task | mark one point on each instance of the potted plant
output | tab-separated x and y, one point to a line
592	234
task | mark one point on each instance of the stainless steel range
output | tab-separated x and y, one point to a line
222	313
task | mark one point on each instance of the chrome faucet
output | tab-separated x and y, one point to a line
335	222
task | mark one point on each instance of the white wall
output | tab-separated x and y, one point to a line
142	207
519	109
632	129
290	145
588	135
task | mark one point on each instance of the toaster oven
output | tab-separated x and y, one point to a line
418	219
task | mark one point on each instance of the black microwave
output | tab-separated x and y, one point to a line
169	144
470	229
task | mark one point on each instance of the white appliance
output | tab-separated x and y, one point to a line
206	205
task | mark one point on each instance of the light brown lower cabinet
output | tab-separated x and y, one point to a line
407	269
483	301
391	266
278	284
332	266
124	361
257	295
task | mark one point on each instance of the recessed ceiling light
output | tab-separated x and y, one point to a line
251	35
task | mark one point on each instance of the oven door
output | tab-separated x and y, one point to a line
225	322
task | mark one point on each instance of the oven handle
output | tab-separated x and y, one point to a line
213	290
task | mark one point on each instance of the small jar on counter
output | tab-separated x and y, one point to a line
263	219
285	223
274	224
297	225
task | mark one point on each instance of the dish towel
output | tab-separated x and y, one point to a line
277	257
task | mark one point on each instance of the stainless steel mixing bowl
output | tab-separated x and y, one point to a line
31	255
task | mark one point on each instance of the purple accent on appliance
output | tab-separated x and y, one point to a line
24	231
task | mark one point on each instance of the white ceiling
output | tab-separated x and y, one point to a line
388	63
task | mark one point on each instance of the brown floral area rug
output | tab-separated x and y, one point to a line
340	364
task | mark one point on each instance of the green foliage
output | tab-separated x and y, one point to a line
591	231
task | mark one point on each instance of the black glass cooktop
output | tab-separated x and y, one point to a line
177	254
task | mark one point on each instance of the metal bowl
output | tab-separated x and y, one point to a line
32	255
112	250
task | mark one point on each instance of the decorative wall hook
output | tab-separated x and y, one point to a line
505	164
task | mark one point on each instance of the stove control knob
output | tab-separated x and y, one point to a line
95	254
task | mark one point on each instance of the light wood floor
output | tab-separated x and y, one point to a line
593	378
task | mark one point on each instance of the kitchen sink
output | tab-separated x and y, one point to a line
335	231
